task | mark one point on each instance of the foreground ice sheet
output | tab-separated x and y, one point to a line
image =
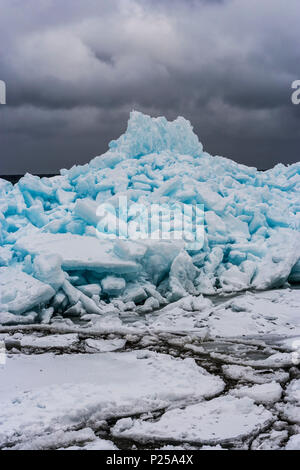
46	394
222	419
48	227
61	388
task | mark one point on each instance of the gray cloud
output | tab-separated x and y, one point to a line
75	69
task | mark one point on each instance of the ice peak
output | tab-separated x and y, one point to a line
146	135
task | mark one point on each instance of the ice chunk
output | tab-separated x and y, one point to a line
65	197
97	444
5	255
60	301
35	186
104	345
10	319
247	374
75	296
86	209
145	135
113	285
182	276
272	440
134	293
5	186
77	252
275	312
291	408
150	305
159	257
46	315
235	279
61	439
49	342
75	389
47	268
21	292
36	214
293	392
90	289
293	443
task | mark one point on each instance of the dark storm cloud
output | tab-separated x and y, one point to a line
75	69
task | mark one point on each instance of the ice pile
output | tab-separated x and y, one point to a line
53	260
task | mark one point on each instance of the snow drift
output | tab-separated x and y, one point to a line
51	259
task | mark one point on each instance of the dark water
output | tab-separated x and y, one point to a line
15	178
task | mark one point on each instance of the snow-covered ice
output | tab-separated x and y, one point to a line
221	420
76	252
52	342
293	443
290	409
250	375
264	393
271	312
104	345
21	292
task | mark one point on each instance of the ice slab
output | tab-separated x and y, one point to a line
259	377
77	252
273	440
291	408
293	392
48	393
20	292
203	423
104	345
59	439
49	342
250	219
265	313
97	444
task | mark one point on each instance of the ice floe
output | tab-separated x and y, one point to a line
203	423
47	393
265	393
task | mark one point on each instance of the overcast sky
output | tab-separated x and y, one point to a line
75	68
